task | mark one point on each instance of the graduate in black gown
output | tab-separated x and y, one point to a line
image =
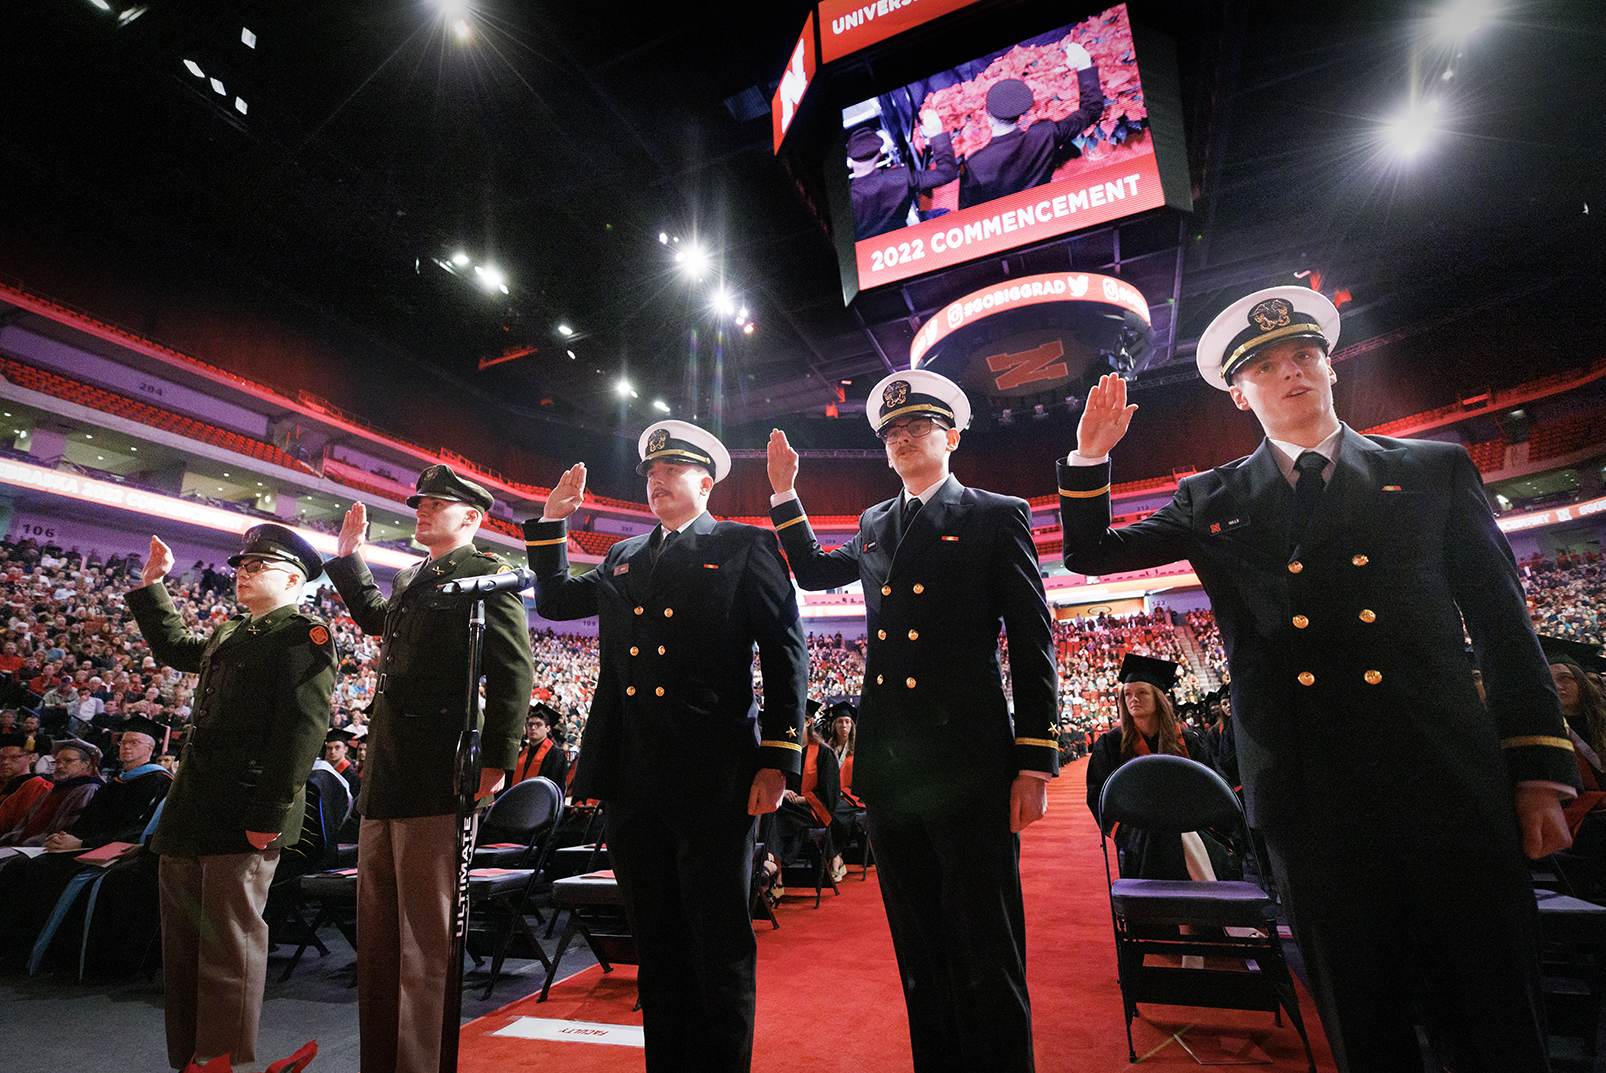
1149	725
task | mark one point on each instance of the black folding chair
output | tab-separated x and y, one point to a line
1166	794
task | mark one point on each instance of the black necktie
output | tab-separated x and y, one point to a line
910	509
1307	490
662	542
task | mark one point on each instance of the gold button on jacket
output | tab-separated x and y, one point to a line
1373	677
1300	622
1368	617
1306	678
1295	567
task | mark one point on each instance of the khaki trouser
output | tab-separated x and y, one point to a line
214	953
406	880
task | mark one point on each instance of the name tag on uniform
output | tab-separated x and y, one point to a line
622	568
1227	526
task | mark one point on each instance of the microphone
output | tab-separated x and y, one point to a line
514	580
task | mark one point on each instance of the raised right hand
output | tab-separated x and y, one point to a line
567	494
352	530
782	463
159	562
1104	418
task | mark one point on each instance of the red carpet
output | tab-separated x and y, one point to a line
829	1000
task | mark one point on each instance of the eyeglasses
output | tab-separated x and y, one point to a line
252	567
915	428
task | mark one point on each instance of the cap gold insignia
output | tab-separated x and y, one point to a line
656	441
895	395
1272	313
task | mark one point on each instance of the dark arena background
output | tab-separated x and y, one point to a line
262	260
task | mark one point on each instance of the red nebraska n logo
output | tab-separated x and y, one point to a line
1029	366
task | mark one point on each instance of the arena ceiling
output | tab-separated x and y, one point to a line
348	150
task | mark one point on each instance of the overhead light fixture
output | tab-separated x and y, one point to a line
131	14
663	236
460	259
565	331
570	353
724	303
623	388
247	38
194	68
217	87
660	405
1458	20
1408	132
695	259
102	4
460	27
239	106
491	277
747	328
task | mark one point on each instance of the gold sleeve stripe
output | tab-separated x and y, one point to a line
544	543
1094	494
794	746
1547	740
792	521
1044	742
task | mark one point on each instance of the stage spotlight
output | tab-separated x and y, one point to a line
747	329
660	405
460	259
663	237
624	389
460	27
724	303
565	331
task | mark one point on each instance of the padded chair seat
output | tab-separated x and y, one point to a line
1167	901
507	882
323	886
499	856
588	889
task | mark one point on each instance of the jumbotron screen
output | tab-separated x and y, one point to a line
1048	136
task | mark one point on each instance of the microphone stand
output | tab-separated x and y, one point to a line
466	783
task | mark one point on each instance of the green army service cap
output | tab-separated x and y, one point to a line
443	482
269	541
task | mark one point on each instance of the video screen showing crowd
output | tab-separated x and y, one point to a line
1324	602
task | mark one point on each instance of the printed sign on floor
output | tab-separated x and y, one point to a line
575	1031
